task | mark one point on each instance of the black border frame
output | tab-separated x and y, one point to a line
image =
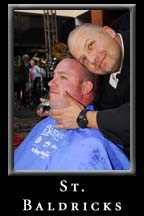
132	8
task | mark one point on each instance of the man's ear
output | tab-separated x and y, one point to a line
87	87
110	31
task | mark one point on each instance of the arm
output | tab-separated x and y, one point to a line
115	125
92	119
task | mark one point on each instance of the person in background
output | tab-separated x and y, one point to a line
36	79
48	148
21	77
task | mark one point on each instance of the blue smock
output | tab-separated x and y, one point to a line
48	148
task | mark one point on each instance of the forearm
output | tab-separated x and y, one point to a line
115	125
92	116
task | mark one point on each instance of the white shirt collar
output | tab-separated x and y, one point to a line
122	44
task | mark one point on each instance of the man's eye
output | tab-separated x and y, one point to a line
90	46
63	77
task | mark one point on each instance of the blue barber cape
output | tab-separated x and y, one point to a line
47	148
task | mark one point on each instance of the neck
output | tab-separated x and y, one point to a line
87	99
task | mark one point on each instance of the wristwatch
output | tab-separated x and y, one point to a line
82	119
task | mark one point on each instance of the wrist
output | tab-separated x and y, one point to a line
92	119
82	120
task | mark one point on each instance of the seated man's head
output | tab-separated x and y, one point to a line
71	76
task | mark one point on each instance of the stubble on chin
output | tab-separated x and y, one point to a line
59	104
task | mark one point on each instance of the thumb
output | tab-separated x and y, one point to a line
43	100
71	99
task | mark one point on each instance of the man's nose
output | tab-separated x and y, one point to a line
52	83
91	58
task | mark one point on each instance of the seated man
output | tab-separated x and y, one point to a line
48	148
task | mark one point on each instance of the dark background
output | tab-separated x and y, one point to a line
29	28
29	31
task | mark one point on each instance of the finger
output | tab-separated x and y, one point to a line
45	113
39	111
59	126
55	112
58	118
43	100
71	99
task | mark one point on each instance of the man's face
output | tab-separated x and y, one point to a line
98	51
67	77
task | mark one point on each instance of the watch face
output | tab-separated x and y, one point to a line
82	120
